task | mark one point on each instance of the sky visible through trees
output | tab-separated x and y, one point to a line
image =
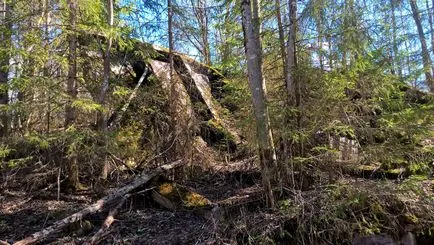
149	19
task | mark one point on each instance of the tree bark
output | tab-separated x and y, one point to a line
427	64
102	120
102	115
174	113
431	23
5	43
396	59
46	66
253	52
319	27
291	50
293	87
281	40
71	86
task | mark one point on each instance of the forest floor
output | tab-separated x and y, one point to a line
243	222
139	222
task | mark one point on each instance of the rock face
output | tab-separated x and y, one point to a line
198	88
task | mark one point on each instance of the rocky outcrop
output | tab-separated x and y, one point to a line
198	89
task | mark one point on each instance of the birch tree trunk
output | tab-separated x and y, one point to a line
427	64
71	86
253	52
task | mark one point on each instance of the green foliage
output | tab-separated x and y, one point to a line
340	129
365	104
235	95
87	105
355	208
121	92
127	142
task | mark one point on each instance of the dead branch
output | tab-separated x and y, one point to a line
108	221
98	205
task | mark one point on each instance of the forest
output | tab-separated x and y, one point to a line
217	122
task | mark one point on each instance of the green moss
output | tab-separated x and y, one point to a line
411	218
192	199
181	196
217	125
395	171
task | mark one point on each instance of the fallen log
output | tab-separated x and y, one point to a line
98	205
108	221
244	196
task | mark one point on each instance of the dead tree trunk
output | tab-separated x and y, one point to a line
118	119
253	51
109	220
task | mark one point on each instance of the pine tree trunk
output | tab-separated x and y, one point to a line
102	121
396	59
46	66
202	16
431	23
71	86
293	87
253	51
173	95
427	64
5	43
291	51
320	43
281	39
102	116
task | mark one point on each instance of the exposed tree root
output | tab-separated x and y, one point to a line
98	205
